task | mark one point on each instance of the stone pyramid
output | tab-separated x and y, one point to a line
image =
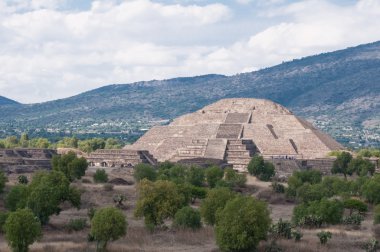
232	130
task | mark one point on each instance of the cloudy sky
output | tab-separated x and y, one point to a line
53	49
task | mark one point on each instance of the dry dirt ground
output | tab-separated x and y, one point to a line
56	237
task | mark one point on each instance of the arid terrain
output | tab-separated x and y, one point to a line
56	236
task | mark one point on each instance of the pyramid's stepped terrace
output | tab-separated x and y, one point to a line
22	160
232	130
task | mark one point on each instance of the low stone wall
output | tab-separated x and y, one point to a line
23	160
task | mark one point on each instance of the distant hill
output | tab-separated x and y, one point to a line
6	101
338	91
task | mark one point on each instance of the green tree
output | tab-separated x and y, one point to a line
371	189
216	199
22	229
100	176
361	167
308	192
108	224
90	145
242	224
3	181
187	217
196	176
299	178
47	191
72	166
213	175
112	143
263	170
327	211
158	201
146	171
17	197
256	165
340	165
355	205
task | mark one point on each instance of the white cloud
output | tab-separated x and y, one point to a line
48	53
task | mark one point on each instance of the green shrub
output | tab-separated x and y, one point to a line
100	176
187	217
282	229
297	235
372	245
242	224
277	187
261	169
318	212
146	171
76	225
354	219
22	179
324	236
118	199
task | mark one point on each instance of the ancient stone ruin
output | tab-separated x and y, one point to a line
231	131
119	158
23	160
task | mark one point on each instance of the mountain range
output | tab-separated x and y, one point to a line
338	91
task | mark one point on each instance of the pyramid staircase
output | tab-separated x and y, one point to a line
239	153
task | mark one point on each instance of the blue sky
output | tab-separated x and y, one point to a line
57	48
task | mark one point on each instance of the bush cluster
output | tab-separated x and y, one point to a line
263	170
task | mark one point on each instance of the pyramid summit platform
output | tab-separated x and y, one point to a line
232	131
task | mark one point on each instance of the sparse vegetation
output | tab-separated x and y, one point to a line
76	224
324	236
